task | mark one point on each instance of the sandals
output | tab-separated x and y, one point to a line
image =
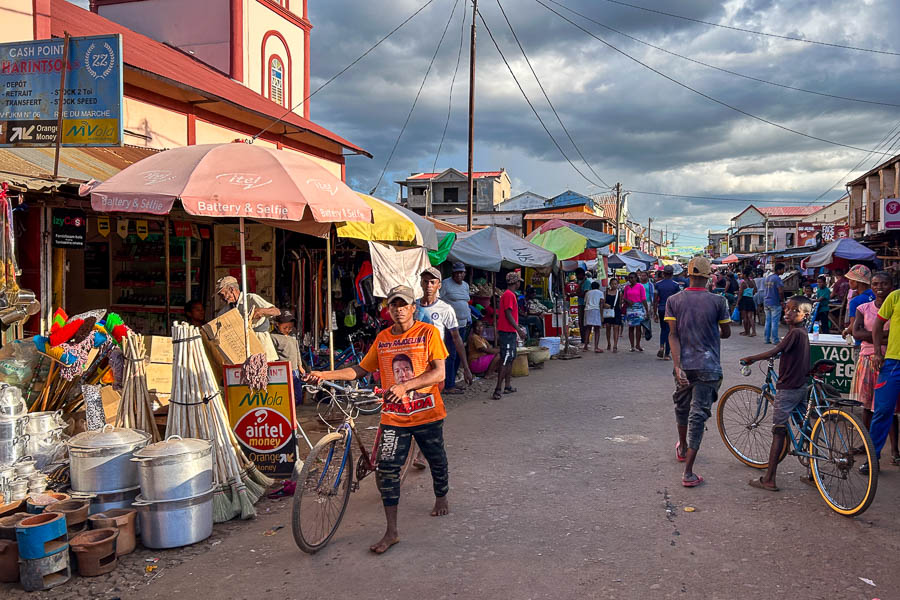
692	482
678	455
660	353
497	395
286	489
758	484
509	390
598	351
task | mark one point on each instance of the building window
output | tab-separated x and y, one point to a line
276	80
762	240
451	194
789	240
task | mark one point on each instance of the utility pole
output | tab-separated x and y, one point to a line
649	236
666	239
618	212
471	119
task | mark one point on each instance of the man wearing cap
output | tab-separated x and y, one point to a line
507	330
443	316
665	289
260	311
455	292
410	356
698	320
288	348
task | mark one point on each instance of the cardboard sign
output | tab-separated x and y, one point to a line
225	337
69	227
263	421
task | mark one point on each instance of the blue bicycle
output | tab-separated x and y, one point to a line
823	434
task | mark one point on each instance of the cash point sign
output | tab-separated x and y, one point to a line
91	100
263	421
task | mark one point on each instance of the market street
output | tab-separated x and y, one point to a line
570	488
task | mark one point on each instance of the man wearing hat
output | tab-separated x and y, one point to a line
455	292
507	330
443	316
410	356
260	311
698	320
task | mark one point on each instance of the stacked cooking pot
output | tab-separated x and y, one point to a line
175	505
43	433
101	468
13	421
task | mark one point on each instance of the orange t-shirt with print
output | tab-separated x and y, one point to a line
400	358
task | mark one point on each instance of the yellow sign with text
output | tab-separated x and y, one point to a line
90	131
103	226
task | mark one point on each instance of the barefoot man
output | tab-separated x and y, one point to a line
410	355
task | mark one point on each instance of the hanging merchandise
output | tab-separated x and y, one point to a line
141	228
440	255
103	226
196	410
122	228
397	266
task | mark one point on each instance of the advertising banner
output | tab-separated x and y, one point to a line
69	227
30	92
263	421
813	234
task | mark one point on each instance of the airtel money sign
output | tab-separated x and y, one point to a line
264	430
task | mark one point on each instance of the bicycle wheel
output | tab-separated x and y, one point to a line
835	466
322	493
745	425
328	407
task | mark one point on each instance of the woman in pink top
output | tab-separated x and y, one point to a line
635	297
863	387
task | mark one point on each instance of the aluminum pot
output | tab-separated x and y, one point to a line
175	468
12	450
44	445
12	427
43	422
100	461
11	402
175	523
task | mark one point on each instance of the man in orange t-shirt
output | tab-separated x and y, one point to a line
410	355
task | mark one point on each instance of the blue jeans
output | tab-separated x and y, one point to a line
773	321
663	332
886	390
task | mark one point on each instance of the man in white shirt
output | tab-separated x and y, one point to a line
443	317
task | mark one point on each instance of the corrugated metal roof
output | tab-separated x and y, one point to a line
788	211
33	167
567	216
476	175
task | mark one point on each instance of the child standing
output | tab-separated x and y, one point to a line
793	370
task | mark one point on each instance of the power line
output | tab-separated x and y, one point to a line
721	69
416	99
547	97
698	92
524	95
763	33
744	200
462	36
345	69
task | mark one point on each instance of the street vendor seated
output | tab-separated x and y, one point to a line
260	311
531	311
288	347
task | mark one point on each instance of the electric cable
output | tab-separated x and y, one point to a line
721	69
416	99
345	69
547	97
527	100
698	92
763	33
462	37
744	200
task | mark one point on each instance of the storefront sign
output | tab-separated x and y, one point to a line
140	227
92	102
890	213
103	226
263	421
69	227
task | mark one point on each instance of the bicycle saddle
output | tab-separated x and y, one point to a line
822	367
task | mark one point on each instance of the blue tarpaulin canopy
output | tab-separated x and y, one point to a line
849	250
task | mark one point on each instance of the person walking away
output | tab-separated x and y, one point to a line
698	320
793	377
612	314
760	297
862	389
593	315
260	311
746	303
635	311
407	345
584	286
455	292
483	358
886	360
859	278
650	293
508	327
443	316
665	289
774	301
823	297
731	288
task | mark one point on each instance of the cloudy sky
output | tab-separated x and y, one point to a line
633	125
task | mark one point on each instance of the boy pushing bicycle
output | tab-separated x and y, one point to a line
791	389
410	355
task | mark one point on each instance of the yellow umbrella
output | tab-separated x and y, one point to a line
391	223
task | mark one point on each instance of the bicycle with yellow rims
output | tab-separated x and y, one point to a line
822	433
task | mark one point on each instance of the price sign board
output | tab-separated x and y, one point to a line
30	92
263	421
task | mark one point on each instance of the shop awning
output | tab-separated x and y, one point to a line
845	248
32	168
391	223
567	240
493	248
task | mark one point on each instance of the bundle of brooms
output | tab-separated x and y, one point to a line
196	410
135	406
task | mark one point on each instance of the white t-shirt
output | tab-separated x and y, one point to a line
441	314
593	300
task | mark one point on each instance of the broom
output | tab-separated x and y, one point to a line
135	406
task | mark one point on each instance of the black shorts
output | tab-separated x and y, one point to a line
508	340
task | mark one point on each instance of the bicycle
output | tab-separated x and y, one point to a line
824	436
326	479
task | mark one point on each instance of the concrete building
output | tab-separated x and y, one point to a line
523	202
837	212
759	229
867	193
448	193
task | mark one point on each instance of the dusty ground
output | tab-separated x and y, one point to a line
554	497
